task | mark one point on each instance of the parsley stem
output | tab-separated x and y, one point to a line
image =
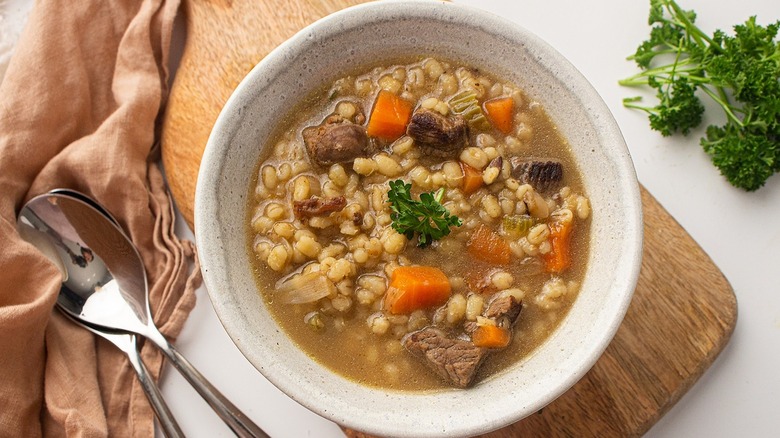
726	107
691	28
439	195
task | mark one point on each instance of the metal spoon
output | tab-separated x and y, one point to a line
127	343
104	284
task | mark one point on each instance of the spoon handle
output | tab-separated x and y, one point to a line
126	342
238	422
168	424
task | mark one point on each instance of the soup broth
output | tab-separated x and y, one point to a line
430	306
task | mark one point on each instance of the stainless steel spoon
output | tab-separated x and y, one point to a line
104	283
127	343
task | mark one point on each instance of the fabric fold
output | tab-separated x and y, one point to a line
79	106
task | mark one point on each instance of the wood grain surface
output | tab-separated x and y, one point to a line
225	39
683	311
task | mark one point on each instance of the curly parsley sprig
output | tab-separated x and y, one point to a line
740	72
427	217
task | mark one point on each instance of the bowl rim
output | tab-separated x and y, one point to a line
213	157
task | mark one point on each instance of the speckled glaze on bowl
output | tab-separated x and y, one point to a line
330	48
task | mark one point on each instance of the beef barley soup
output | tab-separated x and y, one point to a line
418	226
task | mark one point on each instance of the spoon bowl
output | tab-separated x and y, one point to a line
105	282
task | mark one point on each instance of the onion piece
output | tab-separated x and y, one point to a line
304	288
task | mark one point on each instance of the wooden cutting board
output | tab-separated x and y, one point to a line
681	317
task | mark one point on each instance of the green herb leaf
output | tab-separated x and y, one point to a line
427	217
740	73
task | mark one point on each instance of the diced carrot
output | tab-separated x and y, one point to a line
416	287
559	257
486	245
500	112
389	116
472	178
491	336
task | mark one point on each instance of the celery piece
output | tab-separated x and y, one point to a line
465	103
517	226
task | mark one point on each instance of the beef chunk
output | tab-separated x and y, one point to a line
542	175
480	280
336	140
469	327
504	309
454	359
357	219
437	134
315	206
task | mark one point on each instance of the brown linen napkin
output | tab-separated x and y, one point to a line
78	109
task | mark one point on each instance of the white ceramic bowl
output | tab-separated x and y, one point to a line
330	48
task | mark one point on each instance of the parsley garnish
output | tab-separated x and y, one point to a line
740	73
426	217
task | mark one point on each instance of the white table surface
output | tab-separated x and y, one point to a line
740	394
